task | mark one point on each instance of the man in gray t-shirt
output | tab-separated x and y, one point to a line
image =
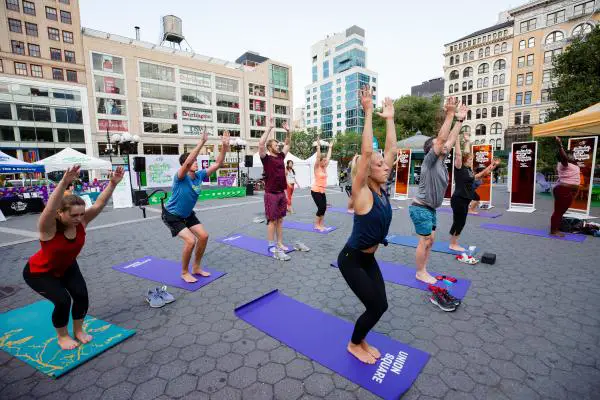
433	184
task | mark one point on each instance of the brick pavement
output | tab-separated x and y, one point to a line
529	327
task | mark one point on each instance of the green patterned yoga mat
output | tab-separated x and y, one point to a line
27	334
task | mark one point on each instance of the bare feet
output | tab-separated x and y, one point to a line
357	351
426	277
200	271
83	337
351	211
456	247
321	228
370	349
557	234
473	212
67	342
186	276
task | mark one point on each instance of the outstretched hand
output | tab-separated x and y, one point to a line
461	112
204	138
285	126
117	175
225	140
497	162
387	109
366	98
558	141
71	173
451	104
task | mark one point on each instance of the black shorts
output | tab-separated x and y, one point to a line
176	224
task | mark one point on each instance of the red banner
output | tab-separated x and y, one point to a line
402	172
449	162
112	125
523	159
584	152
483	155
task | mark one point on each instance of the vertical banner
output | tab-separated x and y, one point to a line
122	195
523	159
402	174
483	155
449	163
584	152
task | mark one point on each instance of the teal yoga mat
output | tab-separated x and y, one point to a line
27	334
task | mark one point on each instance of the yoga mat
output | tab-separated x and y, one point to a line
258	246
302	226
166	272
27	334
413	241
570	237
323	338
343	210
403	275
482	213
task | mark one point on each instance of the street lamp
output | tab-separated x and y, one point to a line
238	145
125	144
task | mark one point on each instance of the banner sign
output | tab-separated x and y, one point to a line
194	114
449	163
584	152
112	125
402	173
523	174
483	155
122	195
161	170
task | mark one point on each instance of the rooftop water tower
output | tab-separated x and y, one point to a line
172	31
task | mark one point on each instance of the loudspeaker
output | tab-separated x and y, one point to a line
488	258
249	189
140	198
248	161
139	164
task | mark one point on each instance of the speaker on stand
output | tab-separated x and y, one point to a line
248	162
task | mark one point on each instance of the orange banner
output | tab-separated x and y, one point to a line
402	172
584	152
483	155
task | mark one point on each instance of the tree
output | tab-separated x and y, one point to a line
346	145
301	145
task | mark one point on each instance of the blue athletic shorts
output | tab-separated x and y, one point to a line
424	219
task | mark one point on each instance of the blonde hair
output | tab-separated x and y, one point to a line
467	155
270	142
354	166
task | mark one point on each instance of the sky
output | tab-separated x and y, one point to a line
404	41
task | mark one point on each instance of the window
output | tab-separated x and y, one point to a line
33	112
478	98
70	56
226	117
554	37
550	55
526	118
464	86
67	2
225	100
229	85
527	97
157	72
154	91
469	114
500	111
555	17
14	25
469	99
36	134
34	50
55	54
543	116
479	83
493	112
518	118
521	61
451	89
454	75
471	55
501	95
527	26
467	72
51	13
67	37
28	7
7	133
257	105
502	79
499	65
315	72
504	47
529	78
278	109
258	120
232	132
485	97
519	99
160	127
487	51
480	130
546	95
455	89
65	17
70	136
71	75
480	53
584	8
531	42
53	34
31	29
165	111
496	49
13	5
484	113
483	68
20	68
259	90
582	29
68	115
494	98
547	76
114	106
470	85
107	63
495	80
17	47
5	111
486	82
465	57
57	74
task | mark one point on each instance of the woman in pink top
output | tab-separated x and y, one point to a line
566	188
317	191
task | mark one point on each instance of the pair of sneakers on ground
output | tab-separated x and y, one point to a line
443	299
279	251
159	297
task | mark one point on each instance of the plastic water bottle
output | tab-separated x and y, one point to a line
471	250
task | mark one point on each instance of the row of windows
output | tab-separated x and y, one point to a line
482	98
484	68
470	56
557	17
31	29
481	83
35	134
51	12
33	50
481	129
484	39
483	113
41	113
526	97
37	72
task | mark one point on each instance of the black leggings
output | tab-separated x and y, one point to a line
362	274
460	209
321	202
59	291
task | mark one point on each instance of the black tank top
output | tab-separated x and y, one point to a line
372	228
463	183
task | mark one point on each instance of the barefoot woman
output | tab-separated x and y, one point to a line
372	218
53	271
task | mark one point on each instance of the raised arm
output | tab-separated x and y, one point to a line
262	143
366	148
47	222
288	138
221	157
191	159
101	201
387	113
562	154
457	155
488	170
461	114
328	157
318	156
442	136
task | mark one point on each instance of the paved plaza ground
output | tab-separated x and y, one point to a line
529	327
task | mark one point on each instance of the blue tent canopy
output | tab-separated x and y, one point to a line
11	165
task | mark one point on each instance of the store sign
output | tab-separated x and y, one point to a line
196	115
112	125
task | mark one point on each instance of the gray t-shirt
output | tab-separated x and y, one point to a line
434	180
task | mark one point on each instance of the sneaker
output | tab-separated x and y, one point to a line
273	249
282	247
154	299
440	300
299	246
451	298
166	296
280	255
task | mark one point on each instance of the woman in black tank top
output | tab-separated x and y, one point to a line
372	218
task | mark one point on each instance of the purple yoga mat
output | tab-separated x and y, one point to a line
165	271
405	276
303	226
570	237
258	246
482	214
323	337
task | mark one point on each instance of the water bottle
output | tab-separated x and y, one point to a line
471	250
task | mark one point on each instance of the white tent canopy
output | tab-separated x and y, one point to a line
68	157
332	170
11	165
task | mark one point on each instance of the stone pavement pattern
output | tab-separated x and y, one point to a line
529	327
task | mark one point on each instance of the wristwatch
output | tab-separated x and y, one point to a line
460	120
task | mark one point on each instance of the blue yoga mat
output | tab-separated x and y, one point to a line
570	237
413	241
303	226
405	276
323	337
27	334
258	246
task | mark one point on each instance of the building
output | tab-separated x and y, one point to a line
543	29
339	69
43	92
477	70
299	123
168	96
429	88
